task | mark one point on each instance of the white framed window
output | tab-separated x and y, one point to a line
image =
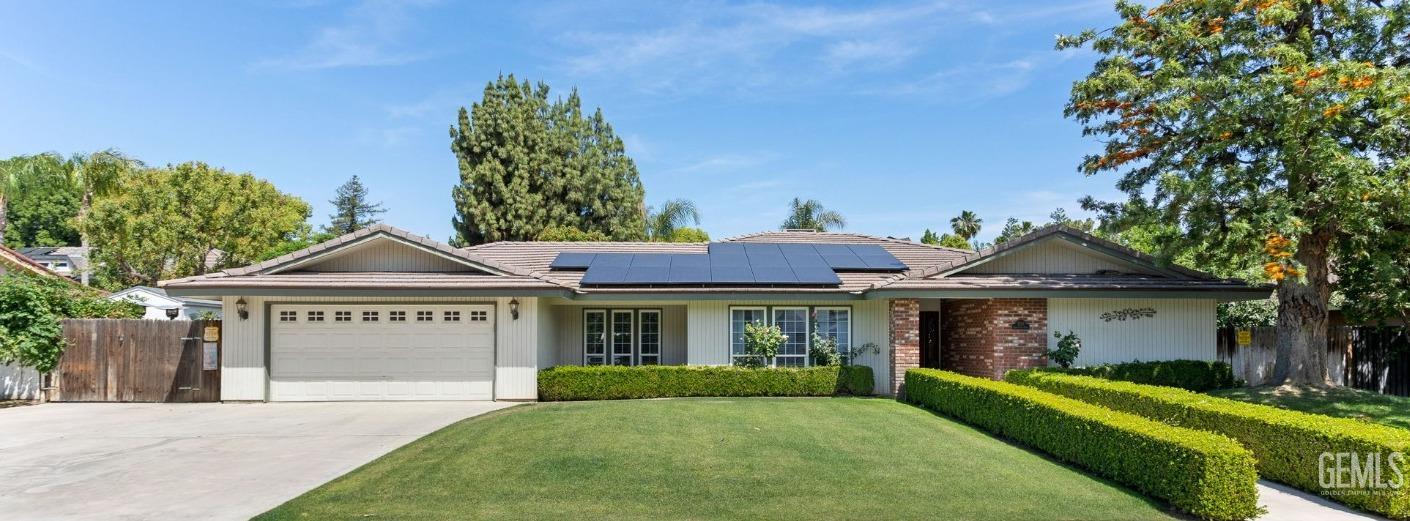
342	316
649	337
314	316
622	328
425	316
288	316
451	316
793	322
594	337
834	323
396	316
370	316
738	318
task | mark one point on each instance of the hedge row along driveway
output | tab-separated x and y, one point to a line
716	458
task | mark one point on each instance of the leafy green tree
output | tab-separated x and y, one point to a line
930	238
10	172
162	223
1059	216
304	238
570	234
351	209
967	225
662	223
954	241
528	163
42	204
1013	229
31	308
1275	125
810	215
97	175
689	234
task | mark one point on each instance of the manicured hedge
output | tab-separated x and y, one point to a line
1288	444
565	383
1202	473
1195	375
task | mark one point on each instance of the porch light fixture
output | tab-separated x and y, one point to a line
172	313
514	309
242	309
1021	325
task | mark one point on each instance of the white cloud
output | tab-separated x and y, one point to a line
725	163
368	36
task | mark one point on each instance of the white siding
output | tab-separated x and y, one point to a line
568	328
384	254
18	383
1181	329
708	329
1056	256
516	355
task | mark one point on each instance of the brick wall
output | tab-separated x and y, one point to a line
905	341
977	336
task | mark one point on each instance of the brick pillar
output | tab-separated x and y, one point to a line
1020	348
905	341
978	338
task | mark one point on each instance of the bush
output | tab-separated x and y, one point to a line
31	309
1194	375
1205	474
564	383
1289	445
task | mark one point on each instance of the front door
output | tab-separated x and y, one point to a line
930	339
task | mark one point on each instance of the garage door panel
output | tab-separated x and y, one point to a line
428	356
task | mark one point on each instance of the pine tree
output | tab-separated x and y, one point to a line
351	210
528	164
929	237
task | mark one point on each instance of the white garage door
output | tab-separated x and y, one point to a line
326	352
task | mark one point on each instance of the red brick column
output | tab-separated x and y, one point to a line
905	341
978	337
1020	348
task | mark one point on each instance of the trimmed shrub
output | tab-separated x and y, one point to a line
564	383
1202	473
1289	445
1195	375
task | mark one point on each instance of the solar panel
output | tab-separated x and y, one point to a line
604	275
648	275
730	259
653	260
804	258
769	260
725	247
844	261
816	275
689	274
731	275
883	263
572	260
774	275
755	248
620	260
690	260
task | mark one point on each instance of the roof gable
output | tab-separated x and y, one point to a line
381	248
1057	249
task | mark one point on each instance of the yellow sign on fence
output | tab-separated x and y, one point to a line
211	334
1244	337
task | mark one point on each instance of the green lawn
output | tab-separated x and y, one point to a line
759	458
1340	401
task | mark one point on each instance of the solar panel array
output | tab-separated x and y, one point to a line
733	264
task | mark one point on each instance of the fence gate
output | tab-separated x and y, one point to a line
139	361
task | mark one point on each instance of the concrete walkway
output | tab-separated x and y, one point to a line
108	461
1289	504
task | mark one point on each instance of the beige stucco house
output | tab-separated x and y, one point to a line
382	314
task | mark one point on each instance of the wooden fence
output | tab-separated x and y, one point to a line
1370	358
139	361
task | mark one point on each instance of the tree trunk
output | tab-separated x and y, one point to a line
4	216
1301	357
83	236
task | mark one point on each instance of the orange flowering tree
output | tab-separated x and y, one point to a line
1270	132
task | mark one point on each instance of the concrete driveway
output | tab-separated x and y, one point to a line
109	461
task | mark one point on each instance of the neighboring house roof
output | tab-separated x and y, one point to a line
157	297
512	266
11	259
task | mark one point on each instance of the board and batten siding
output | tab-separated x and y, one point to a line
1055	256
567	324
243	371
384	254
1182	329
707	326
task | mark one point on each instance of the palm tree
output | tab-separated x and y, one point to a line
810	215
662	223
96	175
967	224
9	179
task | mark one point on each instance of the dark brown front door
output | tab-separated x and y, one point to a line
930	339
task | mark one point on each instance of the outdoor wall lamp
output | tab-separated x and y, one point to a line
514	309
172	313
242	309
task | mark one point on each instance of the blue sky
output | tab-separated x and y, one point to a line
897	115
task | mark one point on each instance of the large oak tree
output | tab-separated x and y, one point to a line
1264	131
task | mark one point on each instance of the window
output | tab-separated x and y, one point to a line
479	316
425	316
288	316
594	337
835	323
451	316
794	324
370	316
649	337
738	318
315	316
342	316
622	337
396	316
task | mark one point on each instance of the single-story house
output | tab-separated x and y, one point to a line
67	261
382	314
161	306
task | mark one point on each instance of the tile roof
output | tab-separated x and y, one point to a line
16	260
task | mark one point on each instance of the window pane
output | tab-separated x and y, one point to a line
789	361
738	318
794	324
836	323
595	336
649	337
